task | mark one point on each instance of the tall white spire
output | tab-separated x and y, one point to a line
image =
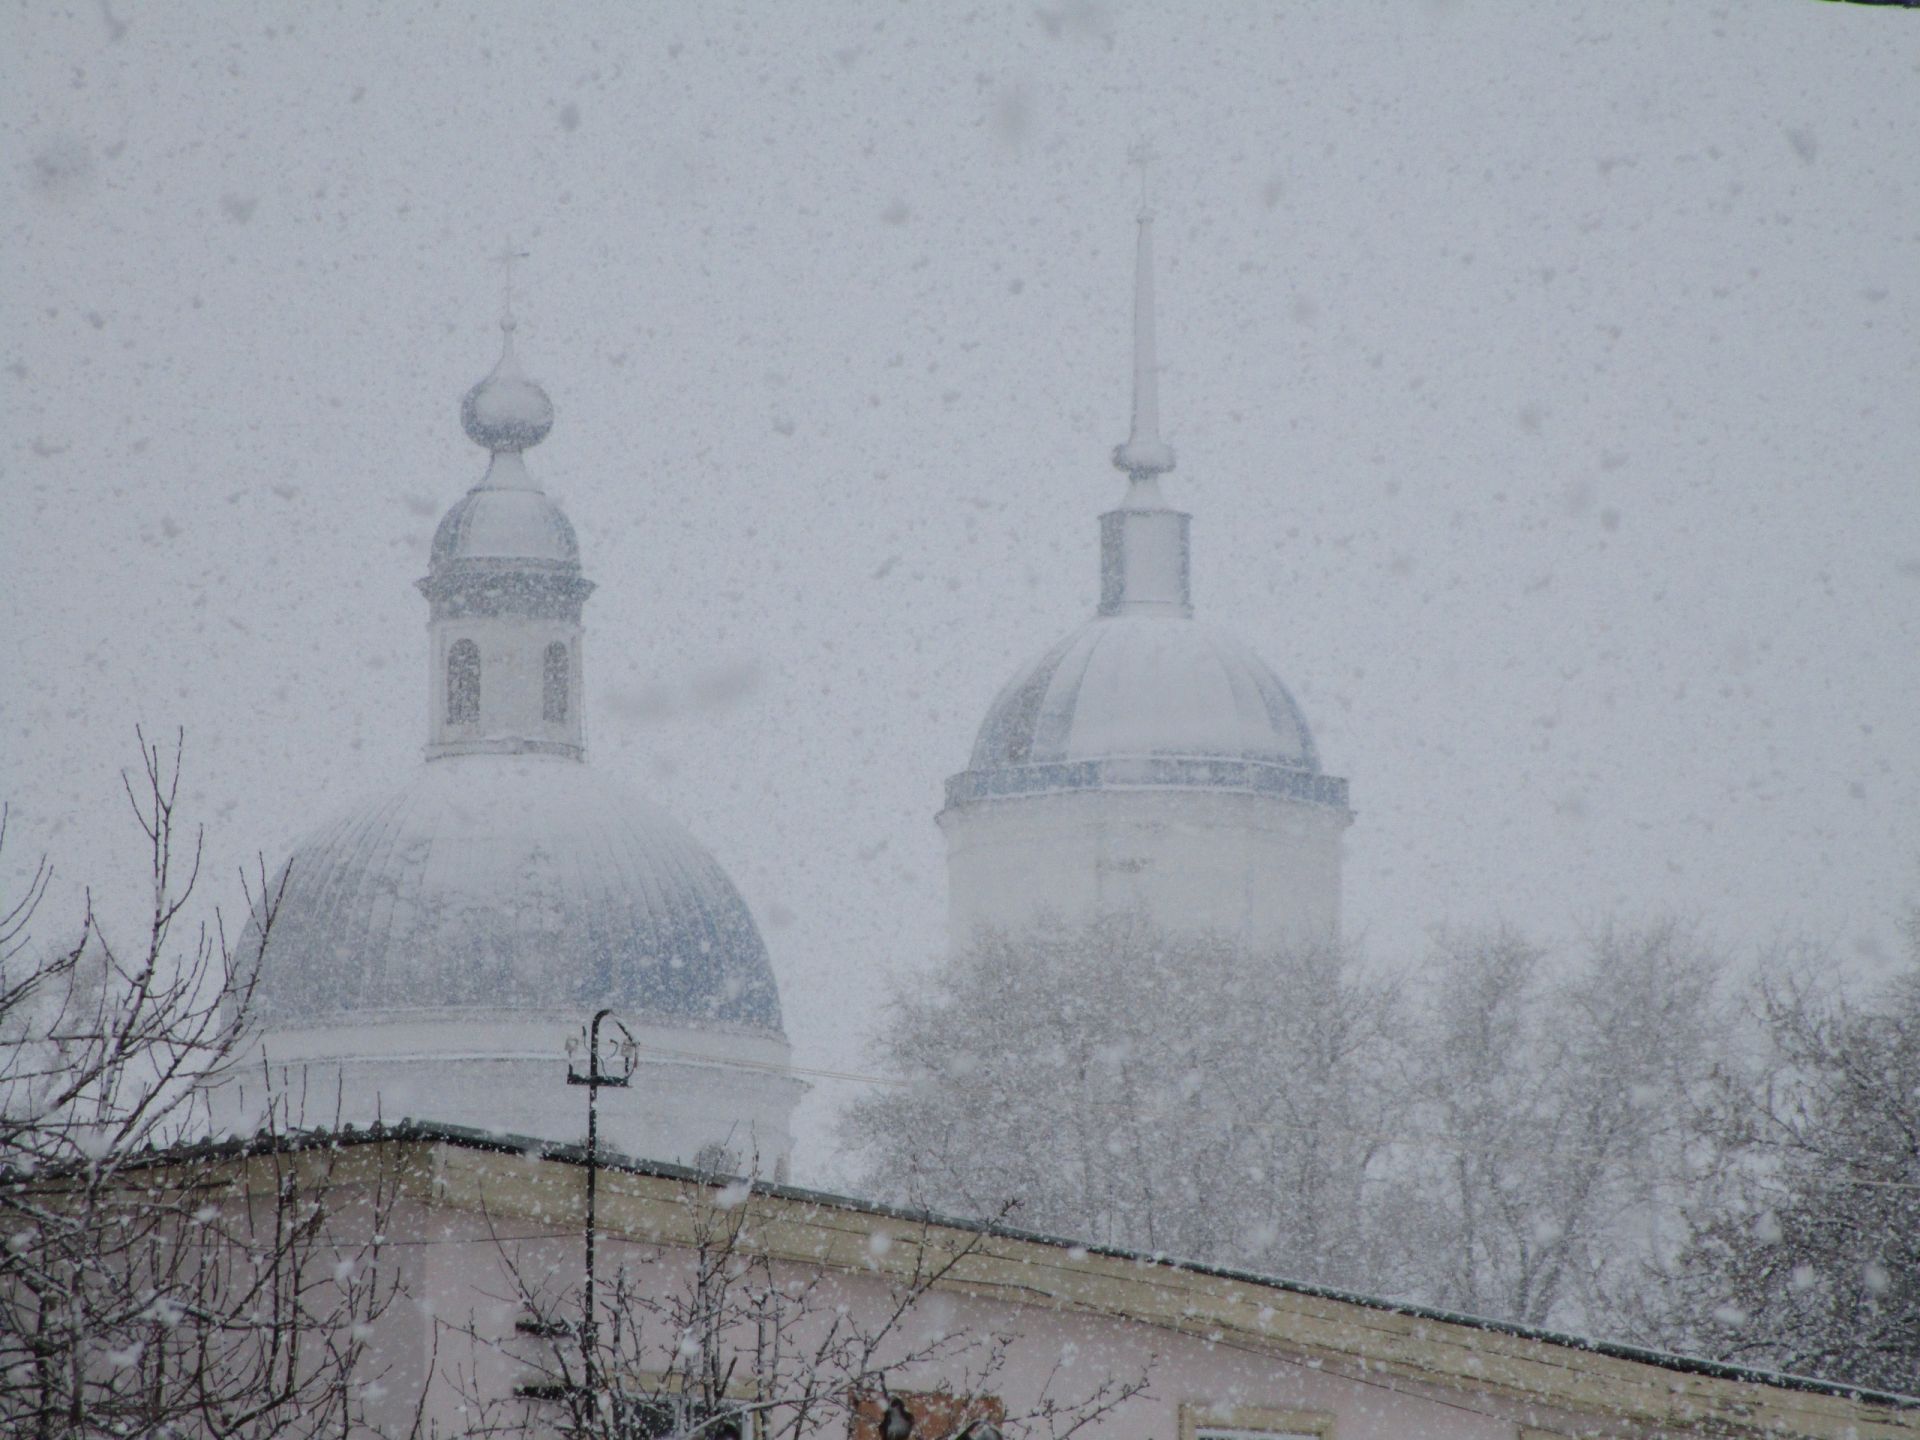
1143	544
505	259
1145	455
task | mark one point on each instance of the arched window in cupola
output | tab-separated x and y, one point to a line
463	683
553	690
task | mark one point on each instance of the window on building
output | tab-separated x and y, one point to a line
463	683
1201	1422
553	691
664	1417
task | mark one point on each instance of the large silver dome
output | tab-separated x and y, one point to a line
513	881
1133	700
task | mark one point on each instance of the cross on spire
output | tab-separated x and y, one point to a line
505	261
1144	157
1145	455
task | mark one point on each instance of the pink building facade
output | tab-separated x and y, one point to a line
484	1242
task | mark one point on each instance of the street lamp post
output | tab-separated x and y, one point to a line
627	1052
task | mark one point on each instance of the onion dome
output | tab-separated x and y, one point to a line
506	517
513	881
506	412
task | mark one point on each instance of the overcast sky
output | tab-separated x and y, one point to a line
1543	377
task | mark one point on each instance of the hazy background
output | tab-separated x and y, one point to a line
1544	380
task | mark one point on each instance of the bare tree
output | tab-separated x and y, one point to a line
1807	1256
1548	1142
149	1286
718	1340
1167	1092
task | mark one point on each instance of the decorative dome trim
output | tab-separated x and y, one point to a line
1148	772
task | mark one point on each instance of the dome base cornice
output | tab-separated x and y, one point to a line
506	587
1148	772
506	745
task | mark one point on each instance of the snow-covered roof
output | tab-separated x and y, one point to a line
501	880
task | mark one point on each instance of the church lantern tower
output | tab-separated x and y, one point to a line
506	591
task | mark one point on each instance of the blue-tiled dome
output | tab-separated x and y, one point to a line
498	881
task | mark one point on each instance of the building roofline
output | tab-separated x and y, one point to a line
441	1132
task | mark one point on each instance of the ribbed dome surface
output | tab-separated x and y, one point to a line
1129	685
1144	701
497	881
489	523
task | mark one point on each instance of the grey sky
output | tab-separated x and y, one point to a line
1543	379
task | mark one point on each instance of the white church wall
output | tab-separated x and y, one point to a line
697	1092
1263	869
513	652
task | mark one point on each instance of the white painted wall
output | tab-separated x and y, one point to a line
1261	867
506	1071
513	651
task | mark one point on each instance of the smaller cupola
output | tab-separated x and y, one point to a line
505	588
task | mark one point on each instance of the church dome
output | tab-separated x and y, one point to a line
496	523
513	881
1132	685
506	412
1144	700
